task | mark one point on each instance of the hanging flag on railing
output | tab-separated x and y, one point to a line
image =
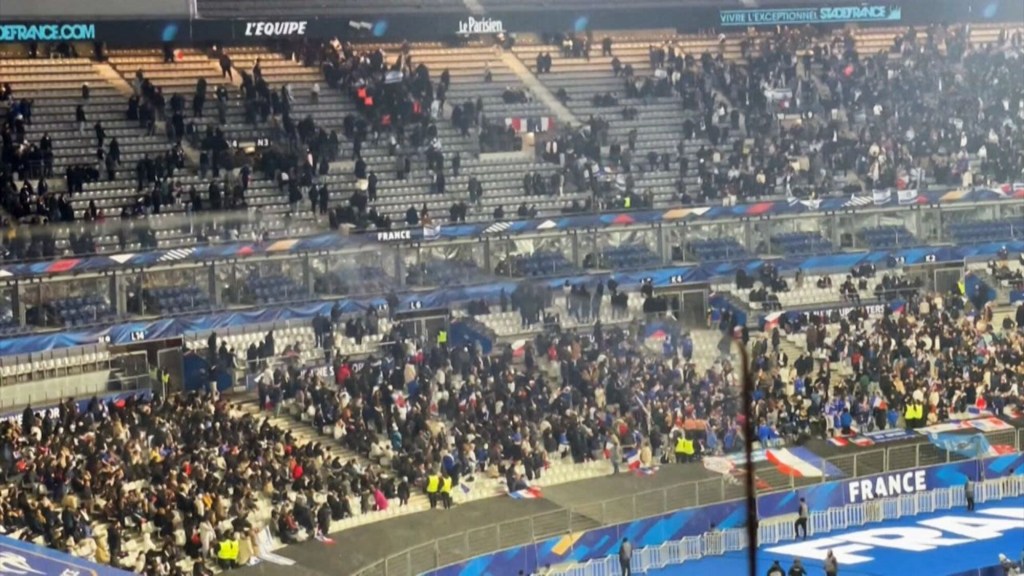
967	445
907	196
880	197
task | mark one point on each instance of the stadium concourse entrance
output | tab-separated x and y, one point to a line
141	360
424	324
688	305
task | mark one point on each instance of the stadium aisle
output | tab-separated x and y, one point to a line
914	543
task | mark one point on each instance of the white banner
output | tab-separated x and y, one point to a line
880	197
908	196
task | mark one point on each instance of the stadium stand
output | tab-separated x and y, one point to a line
353	409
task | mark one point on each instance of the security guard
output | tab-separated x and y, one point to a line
684	449
446	491
442	338
433	485
913	415
227	551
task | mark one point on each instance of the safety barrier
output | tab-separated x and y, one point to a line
781	529
531	530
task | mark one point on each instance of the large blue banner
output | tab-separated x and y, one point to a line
600	542
837	494
656	530
83	406
24	558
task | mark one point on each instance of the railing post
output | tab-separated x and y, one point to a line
855	458
917	456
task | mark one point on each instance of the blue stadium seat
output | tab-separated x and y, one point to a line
801	244
628	256
176	299
885	237
982	231
716	249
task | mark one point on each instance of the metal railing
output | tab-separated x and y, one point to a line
535	529
777	530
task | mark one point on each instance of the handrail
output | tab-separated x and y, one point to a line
532	529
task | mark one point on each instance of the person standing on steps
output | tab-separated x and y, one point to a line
433	486
626	557
615	455
801	520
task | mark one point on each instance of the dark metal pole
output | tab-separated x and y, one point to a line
751	489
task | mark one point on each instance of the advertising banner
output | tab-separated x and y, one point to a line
64	32
583	546
835	494
815	15
656	530
83	406
172	21
17	558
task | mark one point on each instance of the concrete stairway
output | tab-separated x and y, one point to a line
538	89
559	471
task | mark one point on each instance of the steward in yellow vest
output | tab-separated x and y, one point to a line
227	552
446	491
433	486
684	449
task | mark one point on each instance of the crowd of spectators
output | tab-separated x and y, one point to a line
87	479
822	116
943	354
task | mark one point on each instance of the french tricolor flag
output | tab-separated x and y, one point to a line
851	441
771	321
646	470
525	494
792	465
633	459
